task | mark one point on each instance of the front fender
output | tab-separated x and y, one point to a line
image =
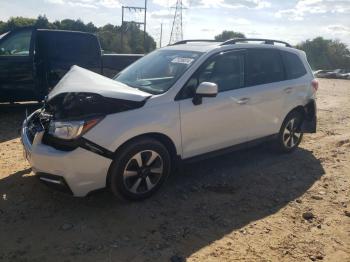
116	129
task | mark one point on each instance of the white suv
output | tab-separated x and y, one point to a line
177	103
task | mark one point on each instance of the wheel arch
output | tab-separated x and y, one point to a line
309	116
300	109
164	139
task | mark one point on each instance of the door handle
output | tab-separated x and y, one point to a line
288	90
243	100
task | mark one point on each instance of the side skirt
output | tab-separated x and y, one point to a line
230	149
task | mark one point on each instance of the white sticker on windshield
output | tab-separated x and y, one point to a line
182	60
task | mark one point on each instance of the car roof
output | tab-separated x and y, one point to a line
54	31
196	46
209	46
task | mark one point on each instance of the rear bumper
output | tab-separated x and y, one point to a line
310	118
78	172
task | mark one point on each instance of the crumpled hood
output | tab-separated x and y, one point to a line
79	80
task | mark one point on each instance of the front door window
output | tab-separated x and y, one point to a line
17	44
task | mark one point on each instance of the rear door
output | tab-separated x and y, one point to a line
17	66
265	91
298	81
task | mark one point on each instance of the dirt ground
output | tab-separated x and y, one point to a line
251	205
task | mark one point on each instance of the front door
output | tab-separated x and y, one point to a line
217	122
16	66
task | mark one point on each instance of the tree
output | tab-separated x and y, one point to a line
42	22
109	35
326	54
16	22
226	35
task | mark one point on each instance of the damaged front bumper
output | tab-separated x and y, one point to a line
78	171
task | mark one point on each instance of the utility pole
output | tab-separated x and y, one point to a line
144	27
133	10
122	32
177	30
161	35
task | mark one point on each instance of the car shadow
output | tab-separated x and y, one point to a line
11	118
201	204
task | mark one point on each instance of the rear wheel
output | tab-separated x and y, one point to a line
140	169
290	135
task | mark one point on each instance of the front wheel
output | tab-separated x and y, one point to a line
140	169
290	135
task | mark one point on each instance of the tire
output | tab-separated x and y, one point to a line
289	137
140	169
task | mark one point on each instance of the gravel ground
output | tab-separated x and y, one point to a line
251	205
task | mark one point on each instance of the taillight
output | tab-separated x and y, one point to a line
315	84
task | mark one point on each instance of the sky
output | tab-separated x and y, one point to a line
289	20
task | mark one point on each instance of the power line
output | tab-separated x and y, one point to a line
133	10
176	29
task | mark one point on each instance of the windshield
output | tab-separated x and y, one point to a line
158	71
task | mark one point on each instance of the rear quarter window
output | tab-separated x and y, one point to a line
294	66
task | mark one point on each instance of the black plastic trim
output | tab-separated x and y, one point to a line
63	187
95	148
196	40
310	118
70	145
266	41
231	149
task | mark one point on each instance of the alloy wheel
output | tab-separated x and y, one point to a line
143	172
291	136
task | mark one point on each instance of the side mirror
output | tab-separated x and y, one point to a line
205	89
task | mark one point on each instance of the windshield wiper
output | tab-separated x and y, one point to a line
142	88
150	90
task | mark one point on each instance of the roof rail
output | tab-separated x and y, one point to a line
266	41
194	40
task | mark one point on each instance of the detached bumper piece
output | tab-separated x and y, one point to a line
56	182
310	118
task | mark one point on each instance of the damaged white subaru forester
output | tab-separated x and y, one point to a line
180	102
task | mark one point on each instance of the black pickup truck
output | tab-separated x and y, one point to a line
32	61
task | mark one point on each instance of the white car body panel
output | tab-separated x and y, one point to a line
79	79
83	170
217	123
118	128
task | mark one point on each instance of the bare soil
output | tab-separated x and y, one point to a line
251	205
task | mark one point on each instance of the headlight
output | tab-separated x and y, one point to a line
71	129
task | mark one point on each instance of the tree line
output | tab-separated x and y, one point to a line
109	35
322	53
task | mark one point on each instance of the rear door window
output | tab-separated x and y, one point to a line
264	66
294	66
76	48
